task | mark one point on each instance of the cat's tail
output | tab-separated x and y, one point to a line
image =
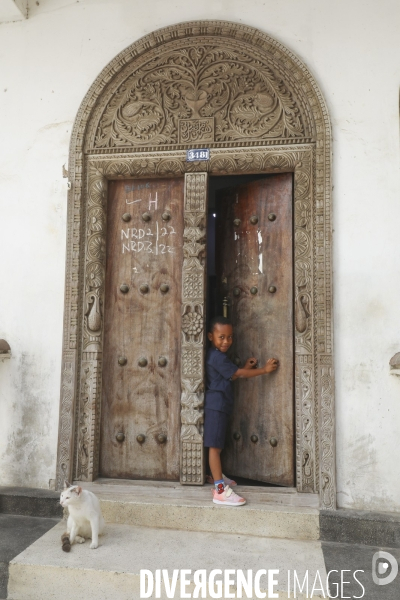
66	544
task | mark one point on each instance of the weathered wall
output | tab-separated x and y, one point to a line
47	64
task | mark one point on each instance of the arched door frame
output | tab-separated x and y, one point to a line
265	83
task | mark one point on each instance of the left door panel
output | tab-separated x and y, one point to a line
140	417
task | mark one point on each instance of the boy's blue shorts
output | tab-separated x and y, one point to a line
215	423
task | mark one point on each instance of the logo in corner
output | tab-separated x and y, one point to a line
381	561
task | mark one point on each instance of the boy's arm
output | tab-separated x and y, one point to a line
271	365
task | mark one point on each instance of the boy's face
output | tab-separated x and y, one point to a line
221	337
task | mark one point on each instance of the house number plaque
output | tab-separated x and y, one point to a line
193	155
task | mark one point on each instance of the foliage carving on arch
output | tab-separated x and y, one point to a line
201	90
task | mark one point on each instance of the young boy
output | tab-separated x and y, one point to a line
220	373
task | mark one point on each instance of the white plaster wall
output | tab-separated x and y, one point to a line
13	10
47	64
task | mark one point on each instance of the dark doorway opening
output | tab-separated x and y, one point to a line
214	300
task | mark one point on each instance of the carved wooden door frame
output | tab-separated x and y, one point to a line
260	111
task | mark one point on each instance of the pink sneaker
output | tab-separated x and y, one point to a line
226	479
228	498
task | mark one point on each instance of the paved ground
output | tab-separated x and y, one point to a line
17	533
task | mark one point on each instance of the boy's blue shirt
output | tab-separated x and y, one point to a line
219	370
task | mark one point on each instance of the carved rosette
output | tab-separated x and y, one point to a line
193	338
135	122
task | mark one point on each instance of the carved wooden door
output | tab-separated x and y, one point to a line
140	418
254	269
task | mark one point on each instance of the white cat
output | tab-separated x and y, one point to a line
85	519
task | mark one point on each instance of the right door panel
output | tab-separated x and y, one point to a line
254	267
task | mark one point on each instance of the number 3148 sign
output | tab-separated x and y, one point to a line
193	155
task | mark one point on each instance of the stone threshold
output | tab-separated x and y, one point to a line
269	512
159	491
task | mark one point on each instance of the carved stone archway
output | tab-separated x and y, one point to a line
250	100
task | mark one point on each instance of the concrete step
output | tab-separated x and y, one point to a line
44	571
30	502
269	512
361	527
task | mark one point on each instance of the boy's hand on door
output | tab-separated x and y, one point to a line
251	363
271	365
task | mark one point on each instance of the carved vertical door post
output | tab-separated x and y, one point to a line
193	323
92	299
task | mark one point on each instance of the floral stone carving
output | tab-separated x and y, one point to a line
211	92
